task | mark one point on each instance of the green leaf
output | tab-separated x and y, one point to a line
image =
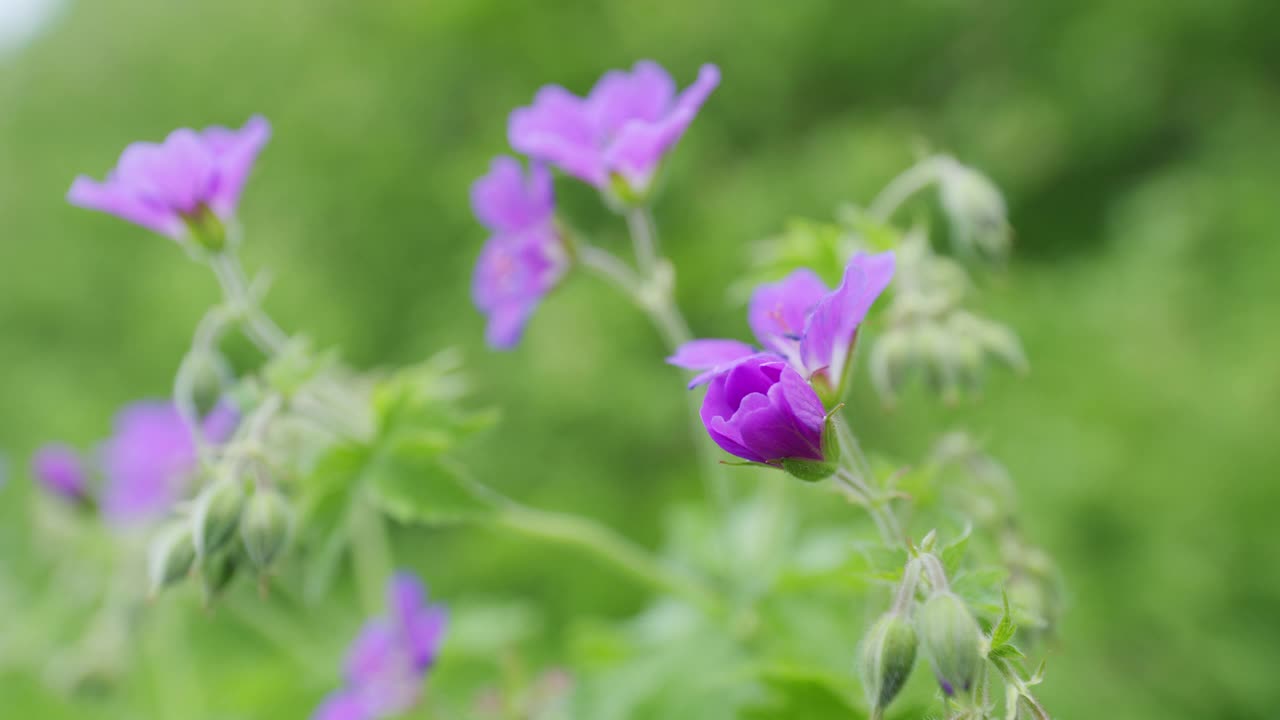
1007	650
1004	630
413	484
953	553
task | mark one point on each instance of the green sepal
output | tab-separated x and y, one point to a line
809	470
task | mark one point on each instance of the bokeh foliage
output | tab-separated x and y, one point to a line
1136	142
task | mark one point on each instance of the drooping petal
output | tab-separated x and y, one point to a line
713	356
557	129
829	333
503	200
778	311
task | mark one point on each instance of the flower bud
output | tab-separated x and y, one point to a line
976	210
265	527
170	556
217	571
888	654
951	640
216	513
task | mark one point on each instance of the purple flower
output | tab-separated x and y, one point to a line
621	129
524	258
149	458
174	186
388	660
61	471
763	411
800	321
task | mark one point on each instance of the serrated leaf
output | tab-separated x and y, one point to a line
1004	630
1007	650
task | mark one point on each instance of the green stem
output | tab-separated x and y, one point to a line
259	328
855	473
370	553
901	188
644	237
589	536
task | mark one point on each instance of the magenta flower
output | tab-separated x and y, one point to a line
763	411
176	186
524	258
60	470
390	657
146	464
800	321
149	459
621	129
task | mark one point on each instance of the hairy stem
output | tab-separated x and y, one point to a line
855	473
901	188
260	329
594	538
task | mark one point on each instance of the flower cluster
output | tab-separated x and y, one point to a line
146	465
189	184
613	139
390	657
767	406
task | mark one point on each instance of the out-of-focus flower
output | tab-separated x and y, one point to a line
190	183
525	256
619	132
763	411
388	660
799	320
61	471
976	209
148	460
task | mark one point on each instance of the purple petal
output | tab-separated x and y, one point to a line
639	145
620	97
221	422
373	654
60	470
505	203
726	431
113	198
234	153
342	705
778	311
146	462
830	331
511	277
714	356
558	129
425	633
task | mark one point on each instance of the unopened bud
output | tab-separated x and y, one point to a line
951	640
888	654
216	572
976	210
265	527
170	556
216	513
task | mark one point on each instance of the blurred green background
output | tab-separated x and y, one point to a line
1137	142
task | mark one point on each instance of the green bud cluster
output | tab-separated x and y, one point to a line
261	518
